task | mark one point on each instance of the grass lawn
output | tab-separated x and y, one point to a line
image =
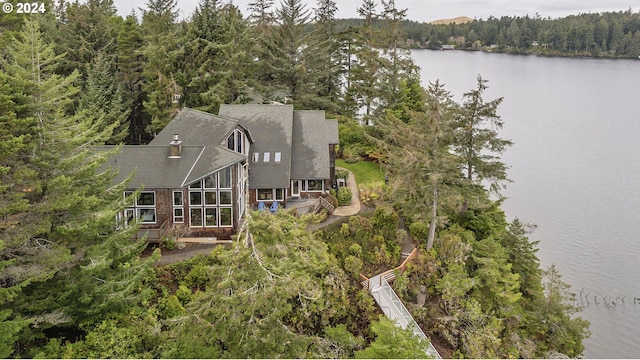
366	172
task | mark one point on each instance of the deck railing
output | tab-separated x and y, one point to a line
395	310
391	304
153	235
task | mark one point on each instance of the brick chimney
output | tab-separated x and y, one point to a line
175	148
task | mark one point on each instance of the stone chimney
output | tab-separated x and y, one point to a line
175	148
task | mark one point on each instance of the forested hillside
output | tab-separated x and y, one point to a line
609	34
72	285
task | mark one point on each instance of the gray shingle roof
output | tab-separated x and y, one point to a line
154	169
312	134
271	127
196	128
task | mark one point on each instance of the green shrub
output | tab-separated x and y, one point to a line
184	294
342	174
344	196
197	277
170	307
168	242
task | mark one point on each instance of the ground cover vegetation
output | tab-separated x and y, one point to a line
73	284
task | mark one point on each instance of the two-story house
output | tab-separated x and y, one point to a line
202	169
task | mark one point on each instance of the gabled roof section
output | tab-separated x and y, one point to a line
312	134
154	169
196	127
212	160
272	130
152	166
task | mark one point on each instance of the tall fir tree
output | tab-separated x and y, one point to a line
324	56
61	210
476	137
160	53
105	99
130	63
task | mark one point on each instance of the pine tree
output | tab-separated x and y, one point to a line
218	57
324	57
61	211
129	66
421	169
105	99
474	140
86	32
160	86
398	64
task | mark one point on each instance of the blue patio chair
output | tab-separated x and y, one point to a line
274	207
261	206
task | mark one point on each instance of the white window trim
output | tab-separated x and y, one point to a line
220	217
204	217
277	157
266	156
273	194
136	208
256	157
203	207
175	206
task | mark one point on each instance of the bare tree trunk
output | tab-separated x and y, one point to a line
434	214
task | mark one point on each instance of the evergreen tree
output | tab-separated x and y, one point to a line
476	137
87	31
366	74
160	52
398	64
105	99
129	67
289	61
60	214
421	168
324	56
217	51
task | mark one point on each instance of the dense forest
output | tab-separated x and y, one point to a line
72	285
609	34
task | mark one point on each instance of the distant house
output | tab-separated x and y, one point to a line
202	169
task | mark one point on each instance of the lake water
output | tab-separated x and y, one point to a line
576	171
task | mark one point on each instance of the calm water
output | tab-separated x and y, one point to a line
576	170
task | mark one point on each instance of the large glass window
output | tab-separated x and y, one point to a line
231	142
315	185
239	141
144	208
270	194
226	217
208	199
265	194
210	182
225	197
225	178
195	198
195	217
235	141
211	217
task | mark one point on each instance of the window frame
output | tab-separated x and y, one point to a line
308	187
178	219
